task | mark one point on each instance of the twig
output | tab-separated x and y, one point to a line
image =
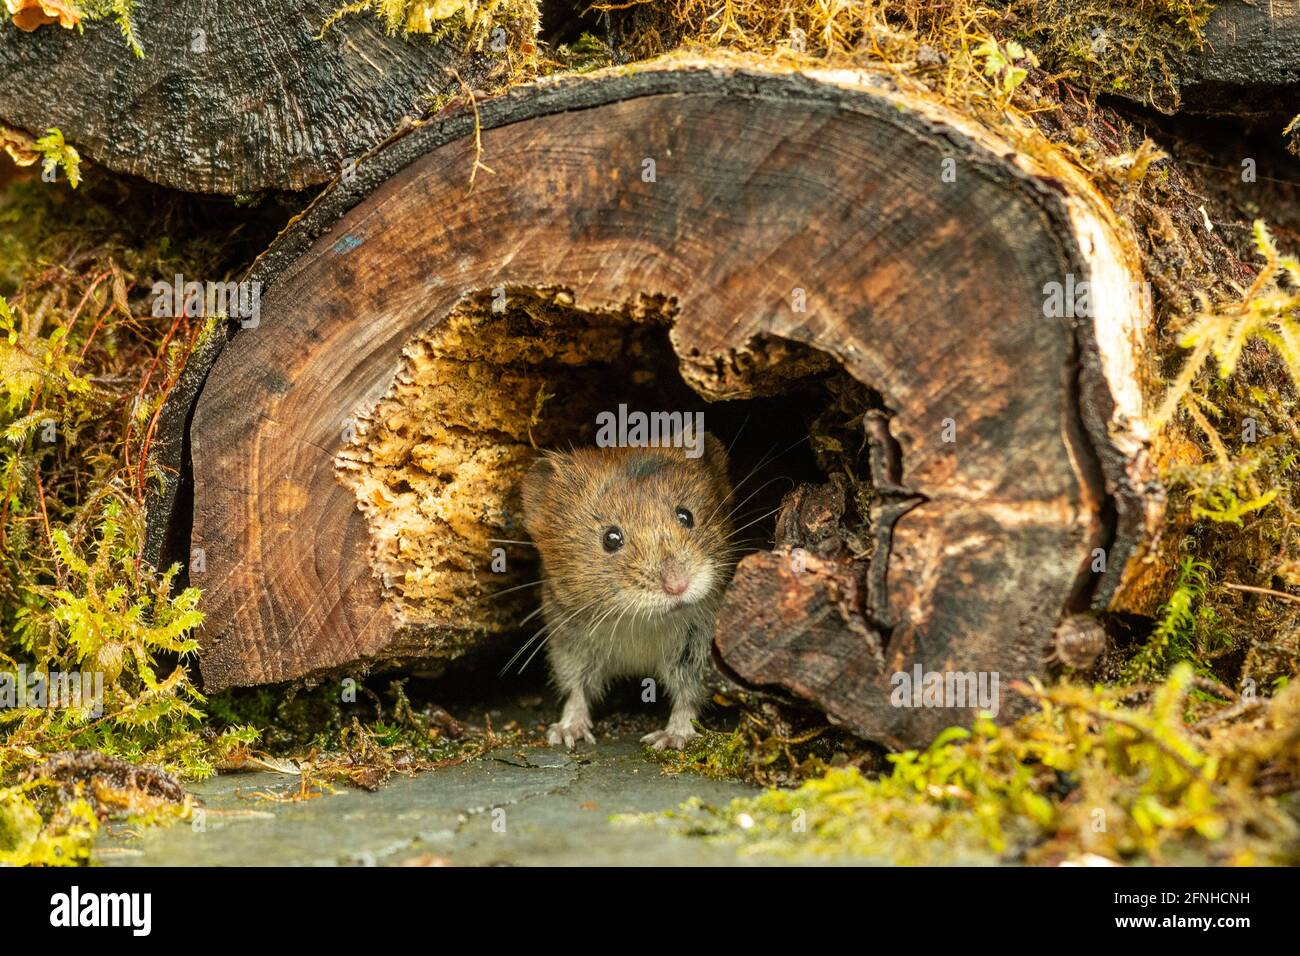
1269	591
1246	705
40	494
478	133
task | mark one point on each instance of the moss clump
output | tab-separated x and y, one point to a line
474	20
86	365
112	620
27	839
1230	454
771	746
1184	630
1089	773
350	735
1268	311
51	150
1131	46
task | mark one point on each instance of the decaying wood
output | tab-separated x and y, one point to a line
1006	452
229	97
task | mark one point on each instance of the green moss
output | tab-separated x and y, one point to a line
474	20
1131	46
1087	774
771	745
344	733
1181	624
715	754
121	12
84	368
26	839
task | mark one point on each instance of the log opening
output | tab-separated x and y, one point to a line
436	464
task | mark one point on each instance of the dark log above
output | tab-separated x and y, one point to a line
1004	453
1250	64
229	97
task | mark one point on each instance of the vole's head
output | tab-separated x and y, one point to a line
631	530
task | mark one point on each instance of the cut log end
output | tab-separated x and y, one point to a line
695	238
233	98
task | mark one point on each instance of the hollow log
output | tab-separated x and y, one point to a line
676	233
228	97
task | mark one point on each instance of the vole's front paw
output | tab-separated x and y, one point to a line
669	739
570	734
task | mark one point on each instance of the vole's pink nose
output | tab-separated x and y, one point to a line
674	578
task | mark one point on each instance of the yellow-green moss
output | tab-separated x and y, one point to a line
1089	776
474	20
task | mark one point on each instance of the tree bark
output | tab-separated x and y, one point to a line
229	97
794	227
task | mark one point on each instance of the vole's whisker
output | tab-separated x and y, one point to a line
739	431
540	644
547	629
522	647
755	521
766	459
518	587
737	486
515	656
741	549
601	620
759	490
510	541
553	630
542	630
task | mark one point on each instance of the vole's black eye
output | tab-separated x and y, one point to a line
612	539
685	517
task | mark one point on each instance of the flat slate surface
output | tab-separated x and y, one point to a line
557	811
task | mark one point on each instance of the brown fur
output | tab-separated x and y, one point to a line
608	614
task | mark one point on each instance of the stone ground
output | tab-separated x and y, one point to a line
514	806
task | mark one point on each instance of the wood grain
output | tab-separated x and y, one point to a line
229	98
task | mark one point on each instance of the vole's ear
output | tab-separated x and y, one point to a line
536	490
716	460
